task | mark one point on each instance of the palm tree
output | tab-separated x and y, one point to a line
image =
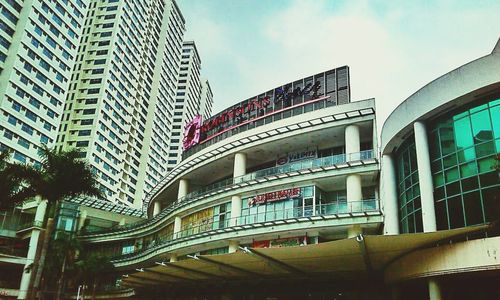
14	183
62	175
93	268
59	259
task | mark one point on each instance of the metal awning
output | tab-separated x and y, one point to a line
343	259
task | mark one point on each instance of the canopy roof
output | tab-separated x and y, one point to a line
345	259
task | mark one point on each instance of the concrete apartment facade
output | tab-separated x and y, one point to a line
38	49
120	103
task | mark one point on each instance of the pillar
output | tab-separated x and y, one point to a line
240	165
177	227
156	208
354	231
352	142
236	205
32	249
425	177
233	246
173	257
390	197
122	222
183	189
434	289
81	220
354	193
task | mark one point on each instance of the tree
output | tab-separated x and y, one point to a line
60	258
14	183
92	268
62	175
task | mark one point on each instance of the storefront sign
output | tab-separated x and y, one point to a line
279	243
274	196
296	157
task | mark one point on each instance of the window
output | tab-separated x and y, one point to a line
89	111
83	132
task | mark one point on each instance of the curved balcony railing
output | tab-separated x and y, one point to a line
322	162
207	227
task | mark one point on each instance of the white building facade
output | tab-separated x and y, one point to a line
38	49
121	98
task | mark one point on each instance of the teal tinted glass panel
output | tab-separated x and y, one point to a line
463	147
481	127
463	132
408	188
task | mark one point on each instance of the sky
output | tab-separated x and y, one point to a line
392	48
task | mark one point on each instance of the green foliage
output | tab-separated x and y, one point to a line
92	267
61	251
64	175
15	181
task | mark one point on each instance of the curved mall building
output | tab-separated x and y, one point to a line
294	166
281	196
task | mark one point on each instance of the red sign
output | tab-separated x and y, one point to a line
279	243
274	196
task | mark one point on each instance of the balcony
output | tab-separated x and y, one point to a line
209	227
273	173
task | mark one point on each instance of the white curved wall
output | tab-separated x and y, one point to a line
452	89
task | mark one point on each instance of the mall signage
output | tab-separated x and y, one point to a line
297	156
196	131
274	196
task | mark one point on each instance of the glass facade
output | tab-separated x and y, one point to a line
464	150
410	208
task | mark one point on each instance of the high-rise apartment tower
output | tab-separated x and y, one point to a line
121	98
38	48
193	97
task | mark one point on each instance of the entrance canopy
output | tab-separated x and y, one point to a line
346	259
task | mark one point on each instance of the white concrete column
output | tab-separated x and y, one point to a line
233	246
354	193
236	205
156	208
122	222
177	226
434	289
425	177
40	210
390	196
32	249
352	142
173	257
183	189
240	165
354	231
81	220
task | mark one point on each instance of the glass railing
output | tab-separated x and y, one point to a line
30	224
322	162
209	226
291	167
11	222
